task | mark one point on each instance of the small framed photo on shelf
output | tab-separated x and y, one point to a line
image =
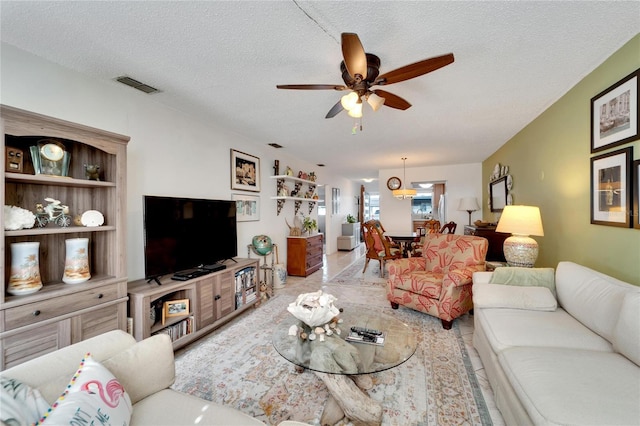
636	194
175	308
247	207
245	171
611	188
614	114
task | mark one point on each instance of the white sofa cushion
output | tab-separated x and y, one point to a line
626	335
145	368
591	297
507	296
505	328
169	407
574	387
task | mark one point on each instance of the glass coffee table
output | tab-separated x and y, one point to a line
344	366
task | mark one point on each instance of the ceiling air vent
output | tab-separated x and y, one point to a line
275	145
137	85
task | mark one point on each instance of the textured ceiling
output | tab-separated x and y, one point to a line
221	61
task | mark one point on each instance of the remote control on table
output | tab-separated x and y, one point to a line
361	330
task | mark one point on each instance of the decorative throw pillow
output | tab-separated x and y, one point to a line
93	396
19	403
527	277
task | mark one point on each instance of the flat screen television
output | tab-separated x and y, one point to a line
186	233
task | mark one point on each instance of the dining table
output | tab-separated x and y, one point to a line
405	240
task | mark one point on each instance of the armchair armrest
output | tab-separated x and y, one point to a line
405	265
461	277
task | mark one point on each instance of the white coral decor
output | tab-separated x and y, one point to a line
314	309
18	218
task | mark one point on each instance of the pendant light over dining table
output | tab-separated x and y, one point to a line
404	193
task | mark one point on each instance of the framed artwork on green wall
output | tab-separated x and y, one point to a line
611	188
614	114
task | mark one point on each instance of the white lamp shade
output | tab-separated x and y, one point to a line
404	193
349	100
356	110
521	220
468	204
375	101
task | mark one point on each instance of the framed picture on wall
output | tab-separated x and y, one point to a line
636	194
247	207
614	114
245	171
611	188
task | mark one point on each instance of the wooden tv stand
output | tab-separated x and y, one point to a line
213	299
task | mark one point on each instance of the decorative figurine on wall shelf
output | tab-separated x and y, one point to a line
289	171
312	176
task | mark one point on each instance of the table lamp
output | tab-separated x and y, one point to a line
470	204
521	221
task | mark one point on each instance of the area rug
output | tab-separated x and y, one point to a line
353	274
237	366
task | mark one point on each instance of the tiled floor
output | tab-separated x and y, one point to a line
335	263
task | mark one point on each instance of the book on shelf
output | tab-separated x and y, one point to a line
179	329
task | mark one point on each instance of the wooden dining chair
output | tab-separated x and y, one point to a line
449	228
379	247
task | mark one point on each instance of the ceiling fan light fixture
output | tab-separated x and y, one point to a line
375	101
356	110
349	100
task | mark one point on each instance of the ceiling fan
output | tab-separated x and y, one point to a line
360	72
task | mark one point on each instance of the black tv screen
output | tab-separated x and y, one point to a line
185	233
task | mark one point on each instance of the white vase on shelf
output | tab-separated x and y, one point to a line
25	269
76	264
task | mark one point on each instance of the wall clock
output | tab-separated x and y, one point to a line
394	183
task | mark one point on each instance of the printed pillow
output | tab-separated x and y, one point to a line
93	396
19	403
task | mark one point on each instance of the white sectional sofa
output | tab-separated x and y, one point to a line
570	359
144	369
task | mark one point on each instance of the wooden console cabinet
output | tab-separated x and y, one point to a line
304	255
213	299
496	240
60	314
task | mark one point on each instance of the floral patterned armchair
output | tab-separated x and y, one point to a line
438	282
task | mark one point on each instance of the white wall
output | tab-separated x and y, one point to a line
170	153
462	180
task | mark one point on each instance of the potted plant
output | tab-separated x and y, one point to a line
351	219
308	224
351	228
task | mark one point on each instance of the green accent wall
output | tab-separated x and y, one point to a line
549	161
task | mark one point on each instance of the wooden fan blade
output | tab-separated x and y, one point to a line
354	56
311	87
392	101
335	110
415	70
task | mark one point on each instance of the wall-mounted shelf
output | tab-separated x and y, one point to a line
292	195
